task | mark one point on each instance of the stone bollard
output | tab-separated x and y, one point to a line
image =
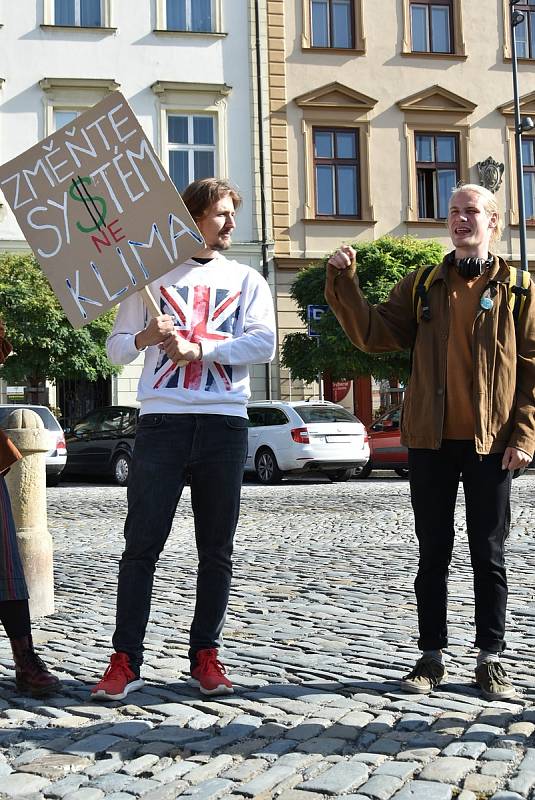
26	482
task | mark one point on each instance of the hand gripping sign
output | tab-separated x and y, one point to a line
99	211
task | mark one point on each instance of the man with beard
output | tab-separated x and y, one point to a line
216	319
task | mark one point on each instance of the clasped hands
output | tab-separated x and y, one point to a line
161	331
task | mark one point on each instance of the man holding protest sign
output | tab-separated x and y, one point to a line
216	318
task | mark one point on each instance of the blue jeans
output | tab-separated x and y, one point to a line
434	479
211	449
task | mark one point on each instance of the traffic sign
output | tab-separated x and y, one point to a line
314	314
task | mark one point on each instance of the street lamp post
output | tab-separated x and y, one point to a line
521	126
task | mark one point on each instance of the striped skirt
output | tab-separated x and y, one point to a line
12	581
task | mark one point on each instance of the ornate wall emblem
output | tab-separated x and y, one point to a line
490	174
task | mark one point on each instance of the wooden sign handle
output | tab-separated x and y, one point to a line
154	311
152	306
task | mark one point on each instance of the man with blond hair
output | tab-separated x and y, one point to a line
468	415
216	319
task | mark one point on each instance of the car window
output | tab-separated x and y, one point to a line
256	417
393	417
324	414
130	423
389	421
275	416
112	420
49	420
89	424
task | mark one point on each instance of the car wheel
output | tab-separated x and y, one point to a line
53	480
338	475
364	471
403	472
121	469
267	469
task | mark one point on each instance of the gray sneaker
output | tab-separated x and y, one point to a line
493	681
426	675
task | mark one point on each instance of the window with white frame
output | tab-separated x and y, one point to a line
63	117
66	98
191	144
189	15
83	13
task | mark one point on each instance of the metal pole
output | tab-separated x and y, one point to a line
263	205
515	20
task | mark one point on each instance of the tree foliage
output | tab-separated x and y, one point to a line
46	346
380	265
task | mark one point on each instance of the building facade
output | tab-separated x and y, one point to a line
189	70
378	110
339	120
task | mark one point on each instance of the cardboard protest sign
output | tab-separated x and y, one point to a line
98	210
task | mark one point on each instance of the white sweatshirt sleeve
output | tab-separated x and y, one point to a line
131	319
256	345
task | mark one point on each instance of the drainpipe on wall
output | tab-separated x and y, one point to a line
262	166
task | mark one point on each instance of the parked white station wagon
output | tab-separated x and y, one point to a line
56	457
304	437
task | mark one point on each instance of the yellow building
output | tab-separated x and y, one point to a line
378	109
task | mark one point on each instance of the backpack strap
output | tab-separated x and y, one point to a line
519	282
423	280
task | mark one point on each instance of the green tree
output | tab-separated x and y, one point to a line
380	265
46	346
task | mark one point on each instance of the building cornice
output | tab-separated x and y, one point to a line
526	103
436	99
163	87
107	84
336	95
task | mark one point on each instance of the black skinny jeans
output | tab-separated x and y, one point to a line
434	480
212	448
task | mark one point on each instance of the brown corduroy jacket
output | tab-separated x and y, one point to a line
503	359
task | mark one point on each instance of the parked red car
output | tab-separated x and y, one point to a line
386	451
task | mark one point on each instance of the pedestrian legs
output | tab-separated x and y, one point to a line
487	489
434	481
217	465
161	454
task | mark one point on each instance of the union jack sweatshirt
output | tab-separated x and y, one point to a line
224	305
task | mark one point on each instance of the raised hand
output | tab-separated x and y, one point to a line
344	258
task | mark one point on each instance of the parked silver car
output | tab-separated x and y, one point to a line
56	457
304	437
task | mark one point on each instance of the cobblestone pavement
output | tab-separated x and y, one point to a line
320	626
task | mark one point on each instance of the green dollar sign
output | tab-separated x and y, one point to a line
76	193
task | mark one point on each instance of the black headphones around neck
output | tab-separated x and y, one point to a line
470	267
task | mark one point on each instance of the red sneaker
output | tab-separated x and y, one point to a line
209	674
118	680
